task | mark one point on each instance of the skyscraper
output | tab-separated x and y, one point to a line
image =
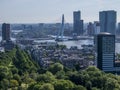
107	21
96	27
77	23
118	29
90	29
5	32
105	51
6	41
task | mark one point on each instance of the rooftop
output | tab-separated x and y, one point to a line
104	33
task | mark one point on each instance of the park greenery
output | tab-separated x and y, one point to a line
18	71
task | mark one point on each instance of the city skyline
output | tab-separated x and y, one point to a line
50	11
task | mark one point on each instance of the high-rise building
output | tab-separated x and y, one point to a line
90	29
6	41
77	23
96	27
5	32
118	29
105	51
108	21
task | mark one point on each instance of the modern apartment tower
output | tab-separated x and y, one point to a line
96	27
105	51
77	23
107	21
6	41
5	32
90	29
118	29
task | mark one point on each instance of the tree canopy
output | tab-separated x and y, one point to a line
18	71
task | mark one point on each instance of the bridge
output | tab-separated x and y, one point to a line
61	31
83	38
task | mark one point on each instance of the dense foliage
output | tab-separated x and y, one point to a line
19	72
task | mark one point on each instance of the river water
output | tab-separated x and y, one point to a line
79	43
86	42
75	43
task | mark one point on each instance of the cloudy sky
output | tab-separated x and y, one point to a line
50	11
